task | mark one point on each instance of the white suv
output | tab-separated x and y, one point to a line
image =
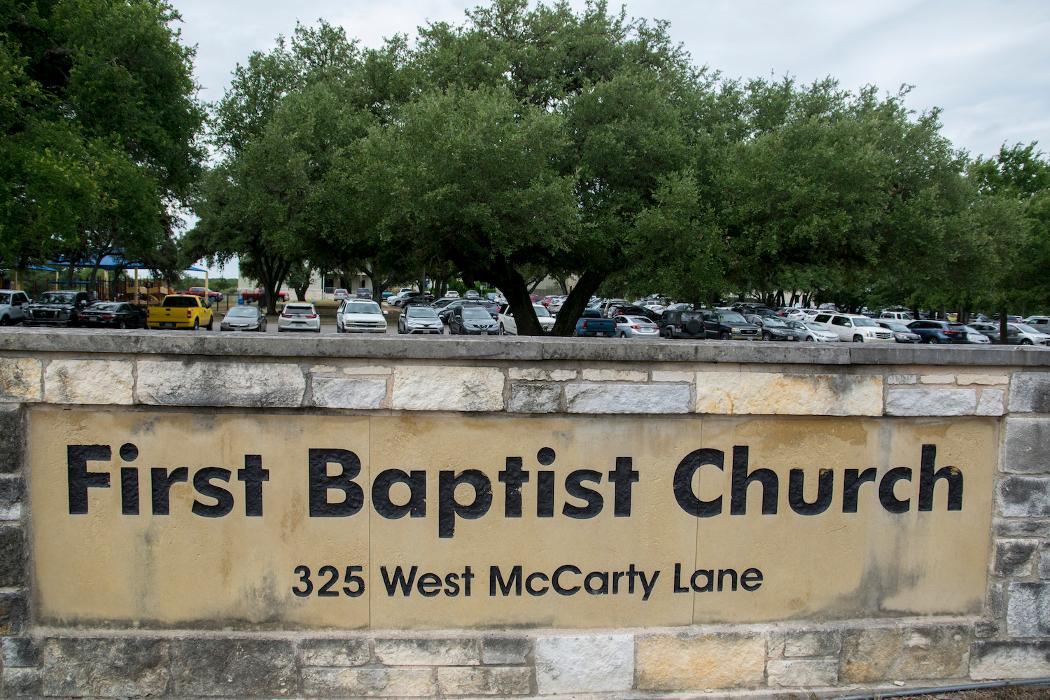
854	328
13	304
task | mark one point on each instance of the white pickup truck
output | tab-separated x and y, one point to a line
12	306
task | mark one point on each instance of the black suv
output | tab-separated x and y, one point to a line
729	325
57	308
681	323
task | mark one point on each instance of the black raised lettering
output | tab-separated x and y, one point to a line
683	482
202	481
851	487
449	508
575	488
887	497
797	495
161	481
545	494
79	479
624	476
513	477
253	475
416	506
129	490
511	585
742	479
321	483
928	480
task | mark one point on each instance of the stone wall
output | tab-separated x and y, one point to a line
1008	639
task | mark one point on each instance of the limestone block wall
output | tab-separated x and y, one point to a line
1008	638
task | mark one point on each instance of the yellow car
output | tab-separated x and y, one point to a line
180	311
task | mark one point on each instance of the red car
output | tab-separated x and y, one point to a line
199	292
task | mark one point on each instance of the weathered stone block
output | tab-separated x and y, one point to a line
12	491
231	667
346	392
773	393
937	379
334	652
369	682
505	651
89	382
535	374
13	612
904	653
534	398
448	389
983	379
601	397
201	383
993	660
1044	561
673	376
106	667
12	437
354	370
930	401
823	643
18	652
614	375
20	683
688	662
802	673
1030	393
584	664
1013	558
1028	610
1022	527
902	379
12	556
991	402
428	652
20	379
1026	445
1023	496
484	680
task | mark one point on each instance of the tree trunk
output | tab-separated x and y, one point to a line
300	292
514	287
1003	325
576	302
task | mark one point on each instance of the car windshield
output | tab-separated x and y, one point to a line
242	311
5	298
362	307
731	317
106	307
541	311
295	310
56	298
420	312
813	327
797	325
773	322
1024	328
475	313
639	319
692	316
863	321
896	327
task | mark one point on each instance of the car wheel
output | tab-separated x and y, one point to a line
1026	341
196	324
767	336
502	330
211	323
858	339
622	334
808	339
5	321
122	325
280	330
723	336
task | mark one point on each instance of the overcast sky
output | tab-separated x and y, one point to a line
986	64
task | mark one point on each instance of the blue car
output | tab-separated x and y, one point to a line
946	332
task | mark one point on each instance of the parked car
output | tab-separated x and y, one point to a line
412	298
609	306
244	318
776	328
817	333
681	323
791	313
944	332
1040	323
901	332
508	326
746	310
592	324
256	295
112	314
636	327
363	293
451	294
56	308
472	294
299	316
360	316
1028	335
991	331
854	328
446	312
340	294
213	296
729	325
472	320
897	315
180	311
556	304
419	319
13	304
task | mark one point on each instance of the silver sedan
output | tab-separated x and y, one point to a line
636	327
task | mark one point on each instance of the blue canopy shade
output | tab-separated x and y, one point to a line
112	262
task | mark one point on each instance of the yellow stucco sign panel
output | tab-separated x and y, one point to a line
430	521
